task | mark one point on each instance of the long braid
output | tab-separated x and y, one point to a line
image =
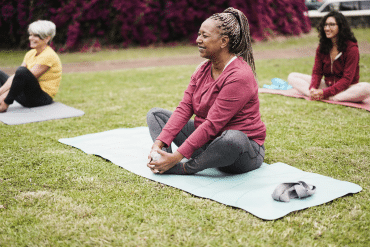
234	24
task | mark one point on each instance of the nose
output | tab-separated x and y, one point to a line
198	40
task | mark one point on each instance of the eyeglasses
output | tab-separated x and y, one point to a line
330	24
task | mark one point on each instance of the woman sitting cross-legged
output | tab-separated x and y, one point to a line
227	131
337	59
37	80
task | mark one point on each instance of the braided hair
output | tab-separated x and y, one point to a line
234	24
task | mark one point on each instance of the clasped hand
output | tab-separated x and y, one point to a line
165	162
316	94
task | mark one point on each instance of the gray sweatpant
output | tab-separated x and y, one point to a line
231	152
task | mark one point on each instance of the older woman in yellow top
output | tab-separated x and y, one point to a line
36	81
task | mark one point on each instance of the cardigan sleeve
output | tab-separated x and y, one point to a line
317	71
351	57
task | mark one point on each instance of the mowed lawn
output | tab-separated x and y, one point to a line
55	195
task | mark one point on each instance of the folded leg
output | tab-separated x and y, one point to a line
157	119
26	90
232	152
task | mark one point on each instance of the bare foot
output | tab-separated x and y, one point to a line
3	107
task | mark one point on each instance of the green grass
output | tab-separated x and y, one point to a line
15	58
55	195
12	58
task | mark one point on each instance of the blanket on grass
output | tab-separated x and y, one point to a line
17	114
294	93
251	191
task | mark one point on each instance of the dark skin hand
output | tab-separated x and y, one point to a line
166	161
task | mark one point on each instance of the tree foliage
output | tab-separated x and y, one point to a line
91	23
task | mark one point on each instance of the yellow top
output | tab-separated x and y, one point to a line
50	80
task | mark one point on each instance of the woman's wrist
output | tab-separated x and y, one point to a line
178	156
159	144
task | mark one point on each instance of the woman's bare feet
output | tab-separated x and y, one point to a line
3	106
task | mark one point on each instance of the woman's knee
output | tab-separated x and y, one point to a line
3	79
245	163
231	137
21	70
157	113
232	140
364	86
25	74
293	76
153	111
151	114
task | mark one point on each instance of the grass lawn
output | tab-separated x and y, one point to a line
55	195
14	58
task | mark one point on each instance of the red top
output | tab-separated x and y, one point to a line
341	74
228	103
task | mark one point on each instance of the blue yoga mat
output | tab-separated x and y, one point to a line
252	191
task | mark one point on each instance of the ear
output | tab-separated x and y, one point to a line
47	39
224	41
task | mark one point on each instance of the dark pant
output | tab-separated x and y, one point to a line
25	89
231	152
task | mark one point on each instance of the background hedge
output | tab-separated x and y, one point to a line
85	24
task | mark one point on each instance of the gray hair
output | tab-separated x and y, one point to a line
43	29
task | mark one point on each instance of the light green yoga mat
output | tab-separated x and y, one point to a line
252	191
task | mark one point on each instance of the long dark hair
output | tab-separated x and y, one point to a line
234	24
344	33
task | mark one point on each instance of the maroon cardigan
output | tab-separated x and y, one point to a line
228	103
341	74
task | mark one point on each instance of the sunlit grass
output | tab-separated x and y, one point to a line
15	58
55	195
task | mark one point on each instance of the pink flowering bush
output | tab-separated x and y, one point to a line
87	25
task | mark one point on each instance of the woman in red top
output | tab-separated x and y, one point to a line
227	131
337	59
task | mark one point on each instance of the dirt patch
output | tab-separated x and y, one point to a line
181	60
185	60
